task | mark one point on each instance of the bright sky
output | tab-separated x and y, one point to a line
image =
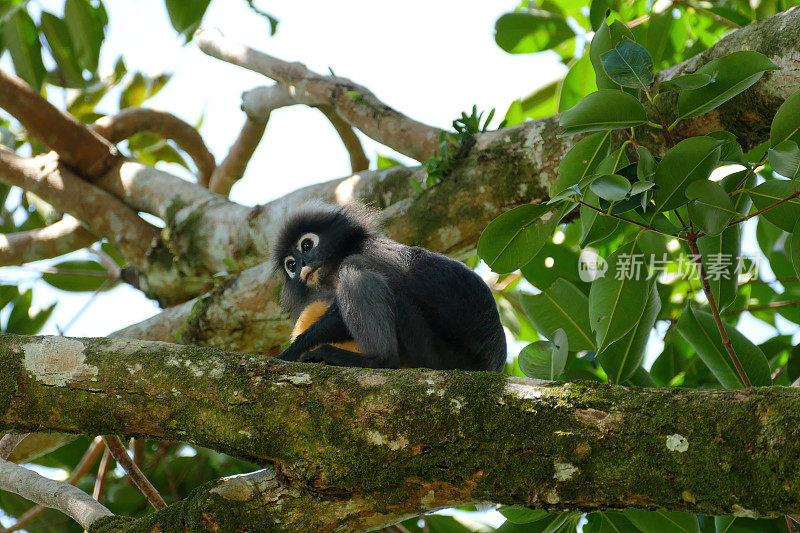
430	60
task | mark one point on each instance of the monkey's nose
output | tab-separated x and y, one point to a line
305	272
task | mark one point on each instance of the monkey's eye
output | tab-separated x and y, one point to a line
290	265
307	242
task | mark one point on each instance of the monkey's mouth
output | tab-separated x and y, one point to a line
310	275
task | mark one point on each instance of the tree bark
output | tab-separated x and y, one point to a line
354	449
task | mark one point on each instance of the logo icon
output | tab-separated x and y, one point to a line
591	266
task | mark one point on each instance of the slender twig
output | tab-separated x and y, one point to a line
765	307
718	18
664	125
630	137
680	219
120	453
749	173
776	204
235	163
133	120
726	341
102	472
645	226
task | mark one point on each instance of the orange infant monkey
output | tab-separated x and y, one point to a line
311	314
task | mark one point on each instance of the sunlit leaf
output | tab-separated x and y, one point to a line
731	75
629	64
562	305
511	240
690	160
531	31
617	300
606	109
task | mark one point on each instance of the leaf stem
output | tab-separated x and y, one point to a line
645	226
726	340
776	204
663	124
749	173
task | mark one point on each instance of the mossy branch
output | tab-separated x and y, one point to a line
368	447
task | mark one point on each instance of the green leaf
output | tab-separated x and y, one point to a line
521	515
511	240
629	64
690	160
700	331
609	522
545	360
784	159
22	41
683	83
786	124
723	523
640	378
606	109
731	151
731	75
770	192
581	160
578	82
646	166
185	16
23	321
604	40
77	276
551	523
531	31
594	225
597	12
621	358
611	187
663	521
86	25
58	38
614	304
711	208
720	255
562	305
794	247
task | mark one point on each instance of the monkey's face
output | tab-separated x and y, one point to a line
311	246
305	259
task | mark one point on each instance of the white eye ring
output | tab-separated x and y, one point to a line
312	236
286	261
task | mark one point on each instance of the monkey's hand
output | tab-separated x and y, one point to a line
316	355
292	353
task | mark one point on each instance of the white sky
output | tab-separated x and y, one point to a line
430	60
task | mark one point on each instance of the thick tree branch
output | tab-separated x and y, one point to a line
356	104
77	146
103	214
361	448
59	238
64	497
235	163
131	121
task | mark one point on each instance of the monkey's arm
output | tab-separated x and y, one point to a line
366	302
329	328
